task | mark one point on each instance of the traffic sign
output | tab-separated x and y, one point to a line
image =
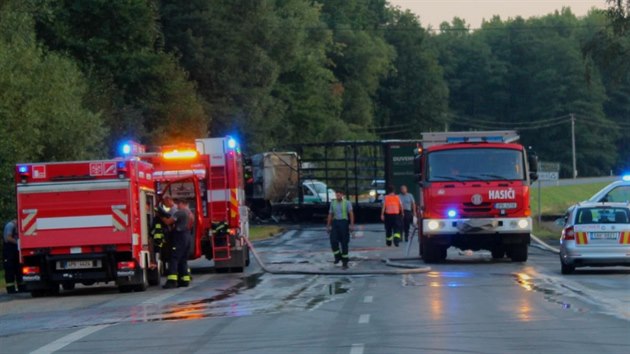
548	176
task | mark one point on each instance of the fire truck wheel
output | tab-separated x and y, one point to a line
498	252
518	253
68	286
144	284
125	288
443	253
431	253
236	270
39	293
154	276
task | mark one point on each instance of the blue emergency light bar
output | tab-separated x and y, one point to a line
23	169
476	139
131	148
626	178
231	143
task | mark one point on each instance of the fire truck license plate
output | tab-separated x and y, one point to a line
604	235
505	205
84	264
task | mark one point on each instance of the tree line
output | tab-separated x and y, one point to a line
78	76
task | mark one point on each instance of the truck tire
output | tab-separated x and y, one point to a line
39	293
144	284
498	252
236	270
431	253
518	253
68	286
443	253
125	288
154	274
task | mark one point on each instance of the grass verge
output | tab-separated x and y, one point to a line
556	199
261	232
547	231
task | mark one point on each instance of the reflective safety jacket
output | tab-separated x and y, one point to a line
392	204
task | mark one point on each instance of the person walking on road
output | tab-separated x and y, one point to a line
409	209
11	258
340	223
178	274
391	215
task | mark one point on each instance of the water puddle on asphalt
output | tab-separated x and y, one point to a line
549	294
257	295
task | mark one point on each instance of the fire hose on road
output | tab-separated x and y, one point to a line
389	262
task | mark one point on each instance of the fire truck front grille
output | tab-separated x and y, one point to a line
484	207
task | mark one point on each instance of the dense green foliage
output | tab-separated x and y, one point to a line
78	76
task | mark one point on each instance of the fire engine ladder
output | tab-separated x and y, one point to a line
221	248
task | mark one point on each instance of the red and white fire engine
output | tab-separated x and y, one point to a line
474	194
209	175
89	221
85	222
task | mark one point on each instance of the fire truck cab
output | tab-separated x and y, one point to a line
209	175
474	194
85	222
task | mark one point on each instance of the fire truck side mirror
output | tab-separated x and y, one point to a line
417	167
532	161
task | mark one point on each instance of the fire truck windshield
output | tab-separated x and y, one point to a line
483	164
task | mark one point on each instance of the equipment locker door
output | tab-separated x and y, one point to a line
193	195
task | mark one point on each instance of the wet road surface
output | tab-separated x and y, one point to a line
470	304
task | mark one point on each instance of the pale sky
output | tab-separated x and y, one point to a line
434	12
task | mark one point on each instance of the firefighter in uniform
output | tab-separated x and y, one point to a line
158	234
11	258
391	215
409	209
340	223
178	274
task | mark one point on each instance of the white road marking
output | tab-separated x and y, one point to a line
357	349
368	299
69	339
363	319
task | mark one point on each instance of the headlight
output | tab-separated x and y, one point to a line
372	193
523	223
433	225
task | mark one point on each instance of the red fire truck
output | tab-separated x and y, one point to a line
474	194
85	222
209	175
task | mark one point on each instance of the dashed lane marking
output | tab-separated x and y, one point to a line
69	339
357	349
364	319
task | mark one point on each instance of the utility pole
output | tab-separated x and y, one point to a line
573	144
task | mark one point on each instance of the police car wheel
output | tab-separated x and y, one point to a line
566	268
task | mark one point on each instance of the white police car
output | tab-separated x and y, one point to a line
595	234
618	191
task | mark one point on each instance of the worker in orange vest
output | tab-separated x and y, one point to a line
391	215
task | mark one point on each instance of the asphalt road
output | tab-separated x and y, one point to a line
470	304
